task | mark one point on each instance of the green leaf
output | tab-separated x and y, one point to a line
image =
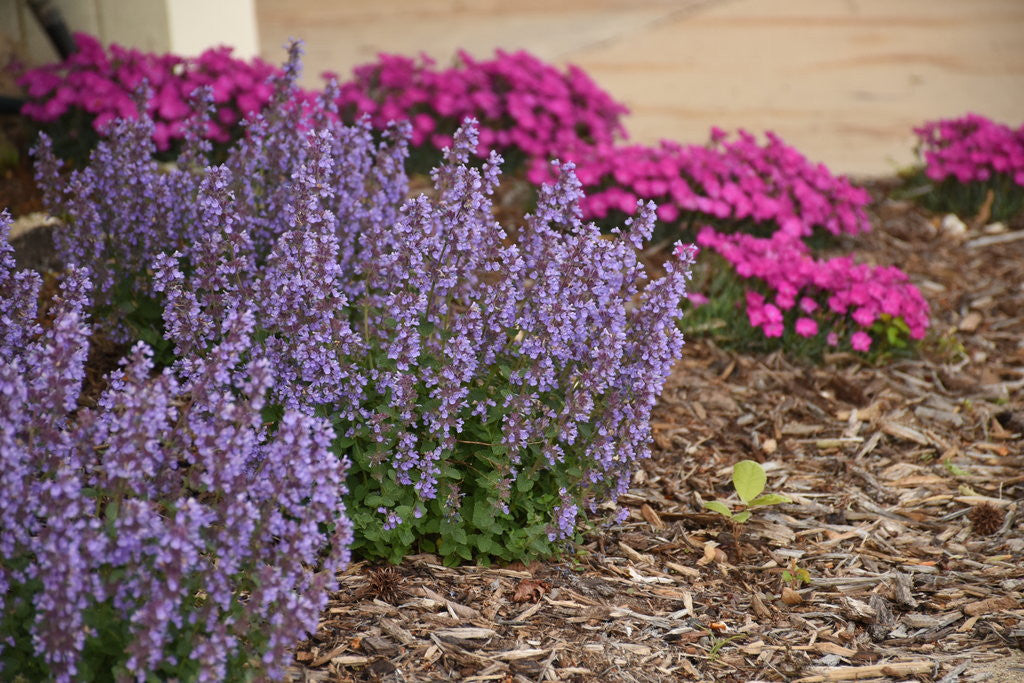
374	500
720	508
450	472
483	515
749	479
741	517
769	499
452	531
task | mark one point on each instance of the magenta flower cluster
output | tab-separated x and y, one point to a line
161	509
817	296
731	182
519	102
102	84
972	148
740	187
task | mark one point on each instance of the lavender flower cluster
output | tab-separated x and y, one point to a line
438	333
161	513
124	207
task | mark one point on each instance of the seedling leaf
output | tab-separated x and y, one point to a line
720	508
769	499
749	479
741	517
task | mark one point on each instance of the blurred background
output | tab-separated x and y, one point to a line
843	81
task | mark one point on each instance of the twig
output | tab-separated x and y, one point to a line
853	673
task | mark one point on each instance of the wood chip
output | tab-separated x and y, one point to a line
990	605
515	655
970	322
827	648
351	660
467	633
858	610
853	673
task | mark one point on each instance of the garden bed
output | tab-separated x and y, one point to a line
884	464
898	550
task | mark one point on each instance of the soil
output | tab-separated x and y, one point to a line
905	537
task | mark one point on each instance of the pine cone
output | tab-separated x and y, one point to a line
384	583
986	519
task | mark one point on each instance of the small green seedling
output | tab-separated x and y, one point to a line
719	643
749	479
954	469
795	575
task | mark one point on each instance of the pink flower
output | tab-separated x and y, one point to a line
832	339
860	341
806	327
808	305
864	316
772	325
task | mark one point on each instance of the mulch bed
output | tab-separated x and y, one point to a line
907	481
910	577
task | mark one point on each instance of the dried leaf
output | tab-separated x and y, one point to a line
791	597
530	590
651	516
711	553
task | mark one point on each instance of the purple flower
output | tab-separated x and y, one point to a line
168	486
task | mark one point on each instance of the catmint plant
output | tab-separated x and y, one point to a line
123	207
489	391
160	527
